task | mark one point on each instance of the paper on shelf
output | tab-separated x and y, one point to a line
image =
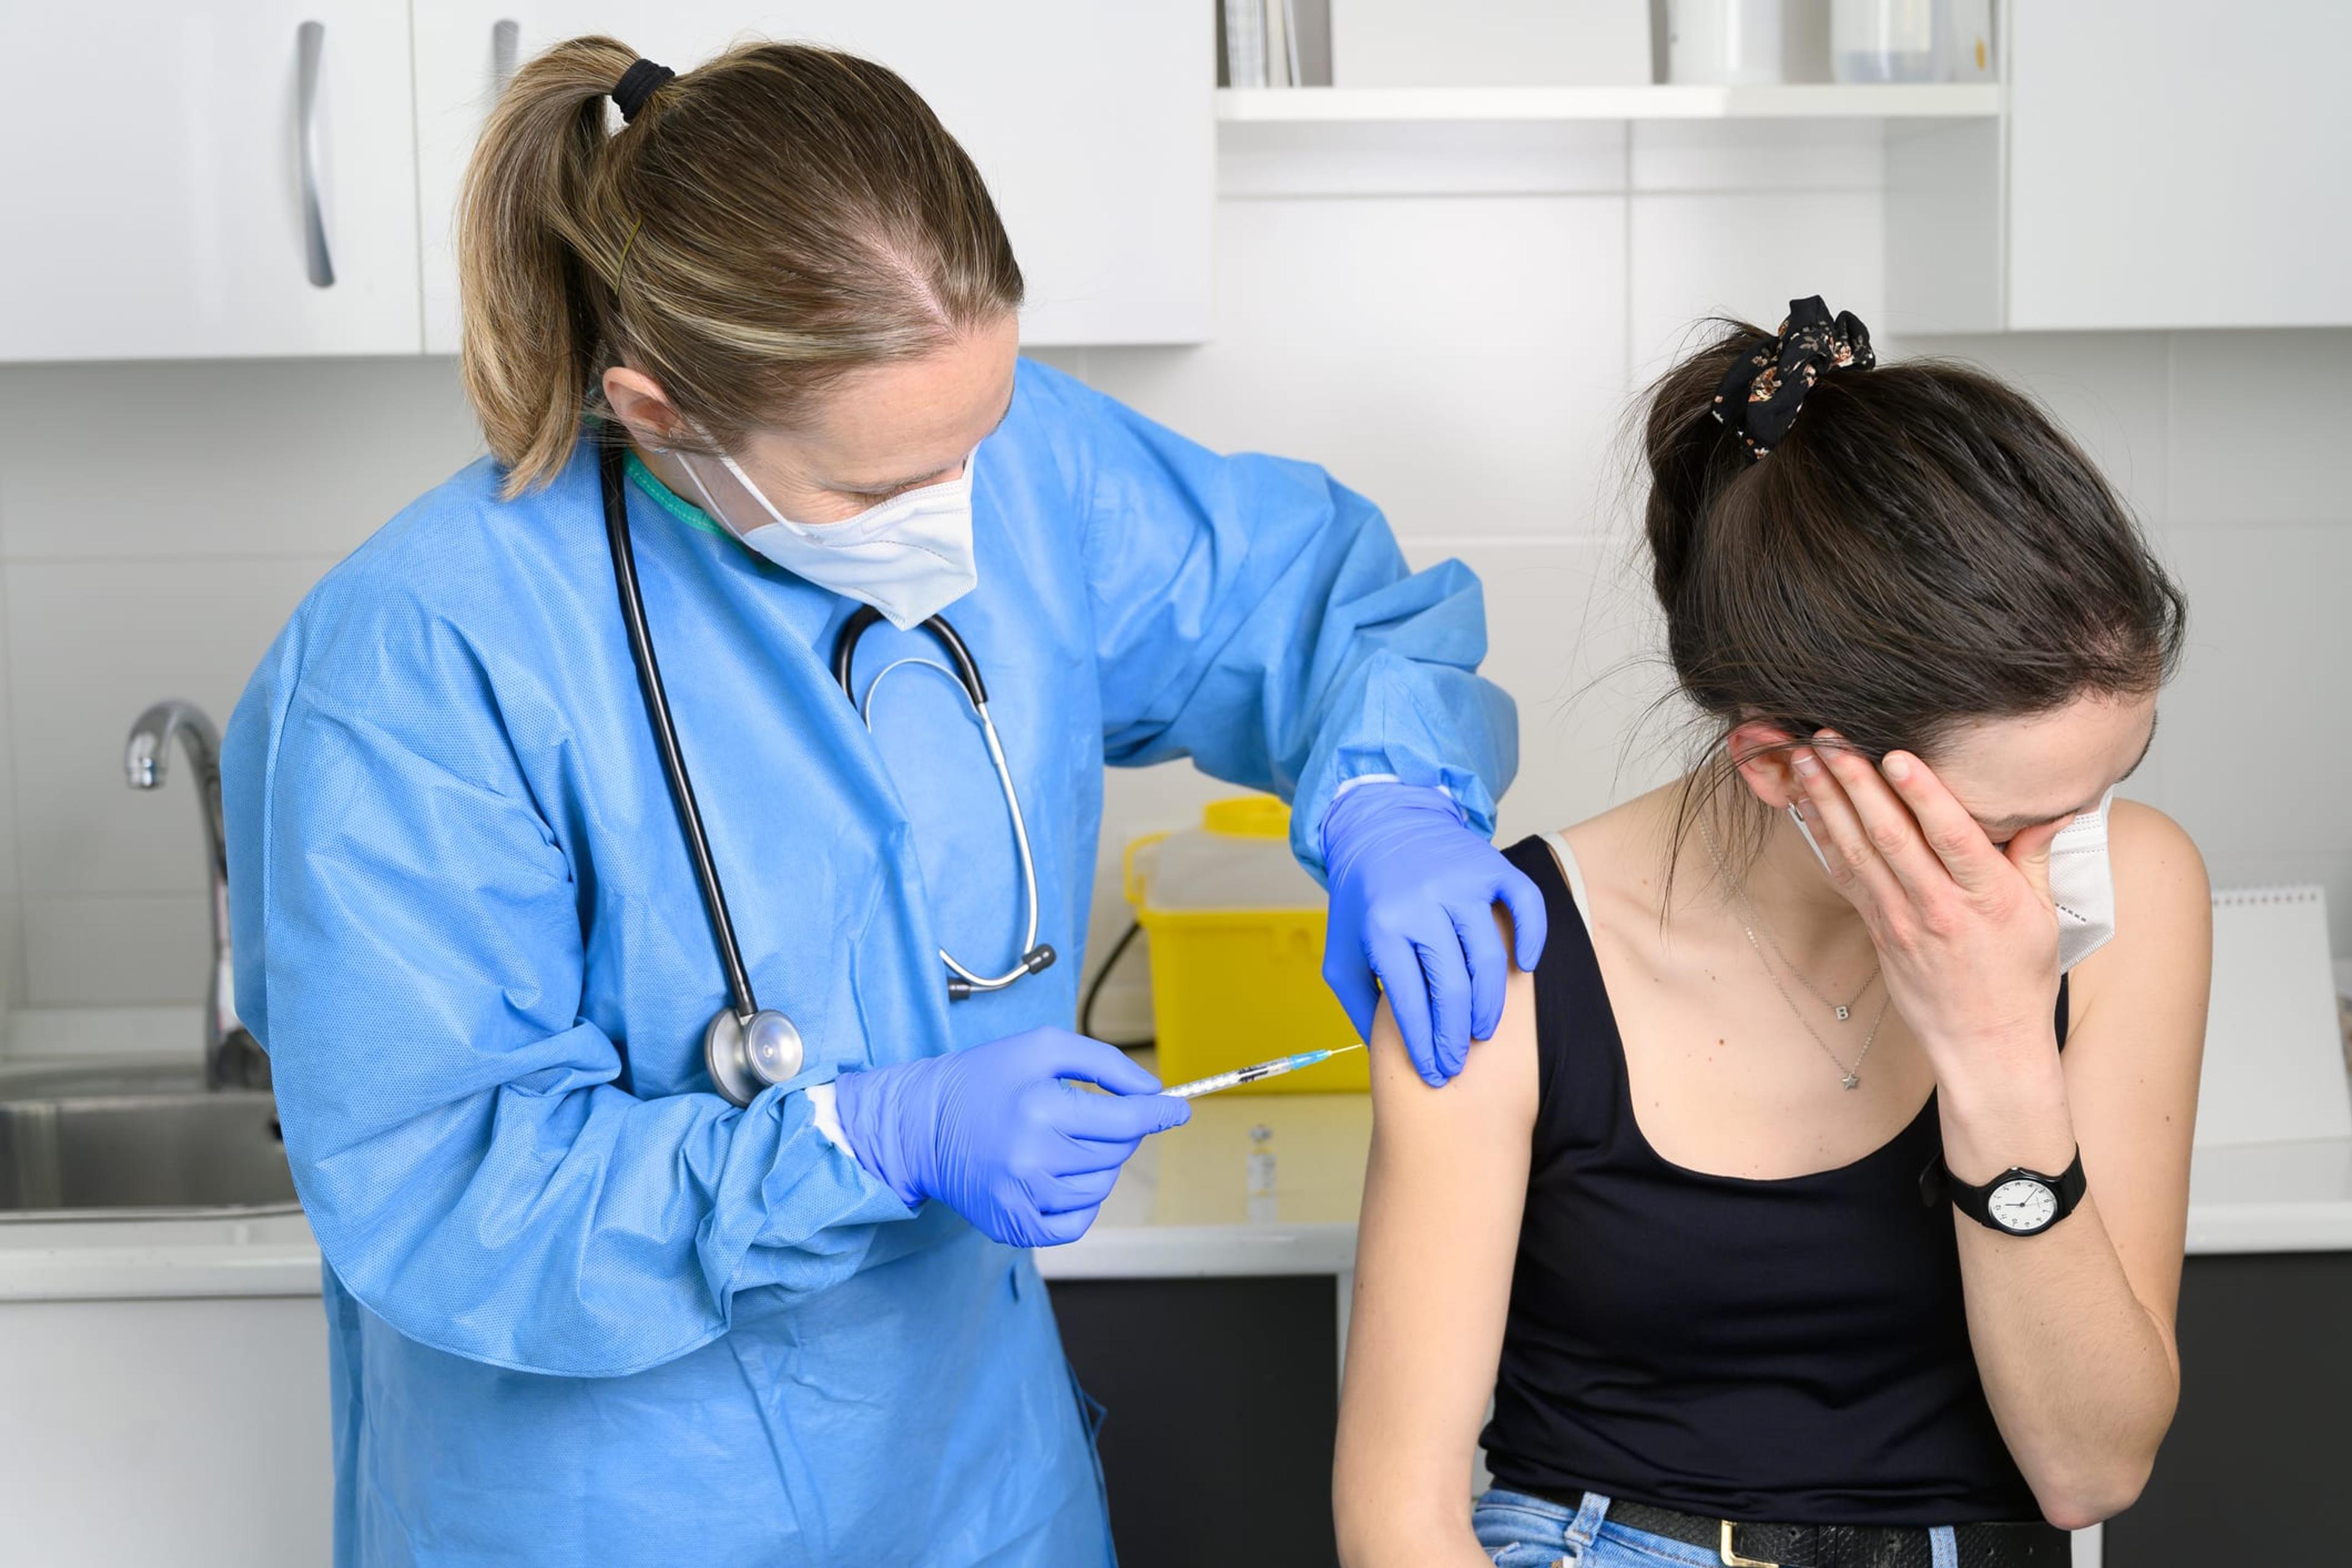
2274	1058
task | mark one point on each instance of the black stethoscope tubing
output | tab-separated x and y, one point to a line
746	1047
739	995
844	654
962	983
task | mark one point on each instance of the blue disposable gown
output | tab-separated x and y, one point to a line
580	1308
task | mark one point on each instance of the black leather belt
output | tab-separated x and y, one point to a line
2034	1545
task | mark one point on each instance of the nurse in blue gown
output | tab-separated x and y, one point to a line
583	1309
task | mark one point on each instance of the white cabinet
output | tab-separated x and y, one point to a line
2179	164
193	1431
1092	123
162	166
234	178
2162	164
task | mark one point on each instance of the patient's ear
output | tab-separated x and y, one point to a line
1761	751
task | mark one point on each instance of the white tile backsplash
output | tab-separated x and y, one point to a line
91	644
2258	429
1569	629
125	951
1451	323
221	457
2257	752
1449	357
1747	256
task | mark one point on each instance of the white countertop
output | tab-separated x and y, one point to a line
1179	1210
2271	1197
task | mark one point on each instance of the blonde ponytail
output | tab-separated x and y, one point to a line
768	221
532	340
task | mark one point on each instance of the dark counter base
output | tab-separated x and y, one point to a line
1223	1399
1224	1396
2258	1466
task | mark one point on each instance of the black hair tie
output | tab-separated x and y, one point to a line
1760	397
637	84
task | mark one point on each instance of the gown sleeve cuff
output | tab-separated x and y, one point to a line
825	1115
1313	808
1346	785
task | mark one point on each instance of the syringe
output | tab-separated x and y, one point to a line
1256	1070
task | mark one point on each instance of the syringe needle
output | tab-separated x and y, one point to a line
1254	1072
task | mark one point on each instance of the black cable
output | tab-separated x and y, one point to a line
1094	989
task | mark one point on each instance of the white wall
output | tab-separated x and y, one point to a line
1450	317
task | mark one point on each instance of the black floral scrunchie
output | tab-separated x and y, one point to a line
1760	397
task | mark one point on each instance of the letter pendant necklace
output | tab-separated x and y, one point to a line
1849	1077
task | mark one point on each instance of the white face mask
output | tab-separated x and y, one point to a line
910	557
2083	885
2082	881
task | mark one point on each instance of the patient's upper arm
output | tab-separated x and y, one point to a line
1441	1224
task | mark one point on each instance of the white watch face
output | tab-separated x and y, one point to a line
2021	1205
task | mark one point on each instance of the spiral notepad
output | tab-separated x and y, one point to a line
2274	1059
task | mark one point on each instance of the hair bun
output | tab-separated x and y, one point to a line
1925	548
1761	393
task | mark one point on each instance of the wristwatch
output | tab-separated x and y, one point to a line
2019	1202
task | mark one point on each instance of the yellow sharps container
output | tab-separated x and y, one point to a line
1236	930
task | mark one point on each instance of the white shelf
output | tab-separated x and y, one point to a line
1807	100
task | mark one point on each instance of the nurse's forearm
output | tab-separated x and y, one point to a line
2076	1372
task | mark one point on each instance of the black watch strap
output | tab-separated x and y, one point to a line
1978	1202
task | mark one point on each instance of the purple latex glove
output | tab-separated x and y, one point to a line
1414	889
996	1135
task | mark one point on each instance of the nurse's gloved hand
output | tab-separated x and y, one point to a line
1414	889
996	1135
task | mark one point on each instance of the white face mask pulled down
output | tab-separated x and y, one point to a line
2082	881
910	557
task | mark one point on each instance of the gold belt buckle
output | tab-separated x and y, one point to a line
1732	1559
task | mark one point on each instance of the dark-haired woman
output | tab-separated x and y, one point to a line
1819	1200
758	335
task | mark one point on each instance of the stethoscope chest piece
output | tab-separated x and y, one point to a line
744	1059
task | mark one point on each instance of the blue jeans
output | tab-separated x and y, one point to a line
1522	1531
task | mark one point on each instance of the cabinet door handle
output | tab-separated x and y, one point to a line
310	39
506	44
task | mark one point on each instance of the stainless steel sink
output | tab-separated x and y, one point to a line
91	1143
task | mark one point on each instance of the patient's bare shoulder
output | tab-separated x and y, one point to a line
2157	965
2155	859
1493	1095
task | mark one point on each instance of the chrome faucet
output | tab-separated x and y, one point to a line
233	1058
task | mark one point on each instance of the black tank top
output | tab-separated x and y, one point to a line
1785	1351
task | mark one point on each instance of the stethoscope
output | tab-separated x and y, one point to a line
748	1046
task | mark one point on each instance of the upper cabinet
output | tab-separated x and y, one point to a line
1093	124
2162	164
229	178
211	179
208	179
2179	164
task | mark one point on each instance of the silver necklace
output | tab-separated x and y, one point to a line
1844	1010
1849	1077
